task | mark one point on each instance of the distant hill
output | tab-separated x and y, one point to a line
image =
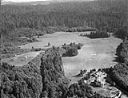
27	3
40	2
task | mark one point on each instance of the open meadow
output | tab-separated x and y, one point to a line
95	53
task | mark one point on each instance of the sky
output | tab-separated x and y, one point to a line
37	0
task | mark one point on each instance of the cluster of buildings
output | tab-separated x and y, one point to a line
98	82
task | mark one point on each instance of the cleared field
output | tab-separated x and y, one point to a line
96	53
55	39
20	60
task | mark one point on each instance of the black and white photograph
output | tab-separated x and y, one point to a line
63	48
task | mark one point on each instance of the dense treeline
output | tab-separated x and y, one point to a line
20	82
80	90
55	84
71	49
119	73
80	29
122	51
120	76
105	15
43	77
122	33
97	35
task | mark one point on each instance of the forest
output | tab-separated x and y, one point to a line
96	34
105	15
18	21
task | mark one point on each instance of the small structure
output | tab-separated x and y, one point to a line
32	47
49	44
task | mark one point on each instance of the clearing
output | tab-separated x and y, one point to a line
96	53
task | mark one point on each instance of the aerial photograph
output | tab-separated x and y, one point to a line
63	48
